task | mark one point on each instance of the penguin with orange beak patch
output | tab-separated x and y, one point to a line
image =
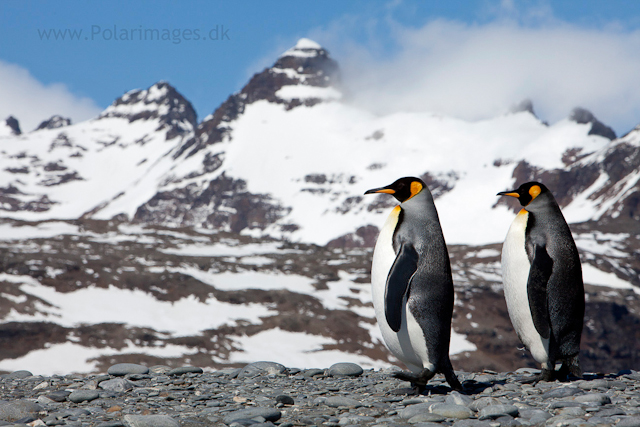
412	286
543	284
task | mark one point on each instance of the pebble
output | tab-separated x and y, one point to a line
345	369
268	394
122	369
79	396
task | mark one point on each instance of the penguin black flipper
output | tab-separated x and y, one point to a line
539	273
403	268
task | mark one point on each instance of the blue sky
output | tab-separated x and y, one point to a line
376	43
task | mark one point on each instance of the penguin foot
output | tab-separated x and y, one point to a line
570	369
420	379
545	375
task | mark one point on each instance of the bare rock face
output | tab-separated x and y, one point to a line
582	116
54	122
12	123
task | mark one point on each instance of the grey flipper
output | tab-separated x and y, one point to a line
539	273
403	268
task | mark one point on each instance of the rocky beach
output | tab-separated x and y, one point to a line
264	394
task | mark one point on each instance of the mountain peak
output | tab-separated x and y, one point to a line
54	122
304	75
162	102
584	116
10	127
305	48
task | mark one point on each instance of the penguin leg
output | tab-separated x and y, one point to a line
450	375
570	368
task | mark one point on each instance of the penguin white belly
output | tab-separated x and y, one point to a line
515	274
408	344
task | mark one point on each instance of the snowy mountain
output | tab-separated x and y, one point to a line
178	241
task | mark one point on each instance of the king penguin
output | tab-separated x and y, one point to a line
543	282
412	286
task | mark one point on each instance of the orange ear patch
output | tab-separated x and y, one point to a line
534	191
416	187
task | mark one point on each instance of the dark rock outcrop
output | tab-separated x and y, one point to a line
582	116
54	122
13	124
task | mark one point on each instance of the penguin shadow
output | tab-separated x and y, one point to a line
470	387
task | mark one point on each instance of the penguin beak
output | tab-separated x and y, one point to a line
509	193
380	190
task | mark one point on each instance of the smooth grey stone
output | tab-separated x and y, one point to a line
427	424
573	411
58	396
269	414
18	375
355	419
79	396
451	411
285	400
150	421
337	401
597	398
185	370
600	421
483	402
531	413
564	404
426	417
471	423
345	369
413	410
455	398
588	385
18	409
310	373
496	411
561	392
629	422
610	412
117	384
122	369
261	368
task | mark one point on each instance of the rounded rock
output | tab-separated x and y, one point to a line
18	409
185	370
629	422
471	423
483	402
285	400
79	396
116	384
338	401
492	412
122	369
426	417
451	411
150	421
269	414
455	398
261	368
18	375
413	410
593	398
345	370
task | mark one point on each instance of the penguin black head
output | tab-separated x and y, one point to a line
527	192
403	189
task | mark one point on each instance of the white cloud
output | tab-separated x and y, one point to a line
476	71
31	102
